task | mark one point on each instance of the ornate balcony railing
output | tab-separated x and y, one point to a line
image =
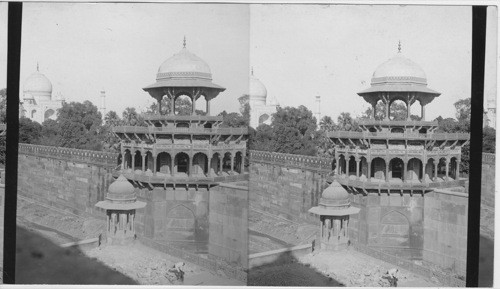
394	135
293	161
168	179
181	130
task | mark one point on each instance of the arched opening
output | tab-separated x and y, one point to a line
128	160
342	165
238	162
207	125
138	160
183	105
352	166
264	118
397	110
181	163
372	129
33	113
182	124
414	173
157	124
149	162
119	160
396	169
430	170
215	164
226	162
452	170
378	169
164	163
422	130
180	224
442	168
48	114
200	164
363	168
394	230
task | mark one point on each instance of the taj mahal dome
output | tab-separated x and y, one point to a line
37	103
262	106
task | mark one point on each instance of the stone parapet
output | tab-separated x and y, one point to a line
488	159
310	163
105	159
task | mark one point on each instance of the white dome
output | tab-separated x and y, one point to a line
184	65
258	91
397	69
37	82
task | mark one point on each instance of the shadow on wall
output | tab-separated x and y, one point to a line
40	261
486	254
287	271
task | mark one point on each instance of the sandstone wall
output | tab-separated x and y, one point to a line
445	230
228	239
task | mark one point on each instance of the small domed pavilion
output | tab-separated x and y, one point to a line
120	205
334	210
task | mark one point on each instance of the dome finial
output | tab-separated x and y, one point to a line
399	46
184	42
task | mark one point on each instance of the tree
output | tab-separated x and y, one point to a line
233	119
29	131
489	135
110	141
326	124
130	117
463	109
261	139
294	130
112	119
50	135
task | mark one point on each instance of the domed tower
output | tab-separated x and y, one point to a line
334	210
261	105
120	205
37	103
181	153
398	158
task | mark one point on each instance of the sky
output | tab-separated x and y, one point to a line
300	51
297	51
83	48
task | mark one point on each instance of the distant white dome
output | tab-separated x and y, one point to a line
38	83
258	92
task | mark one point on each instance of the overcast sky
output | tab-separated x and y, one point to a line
297	51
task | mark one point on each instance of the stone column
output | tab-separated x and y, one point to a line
405	171
435	169
369	170
159	104
232	163
357	168
408	106
220	164
133	161
209	174
423	112
208	106
447	169
143	162
190	167
387	171
387	110
337	159
457	172
172	105
374	108
107	222
194	106
171	168
154	165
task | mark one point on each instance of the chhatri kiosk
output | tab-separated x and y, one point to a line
176	159
391	165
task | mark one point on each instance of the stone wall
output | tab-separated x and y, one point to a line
49	176
287	185
229	224
488	196
445	230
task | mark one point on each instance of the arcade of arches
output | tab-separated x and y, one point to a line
412	170
197	164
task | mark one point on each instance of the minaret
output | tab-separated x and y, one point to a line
318	108
103	103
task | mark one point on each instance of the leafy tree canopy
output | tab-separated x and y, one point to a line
29	131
